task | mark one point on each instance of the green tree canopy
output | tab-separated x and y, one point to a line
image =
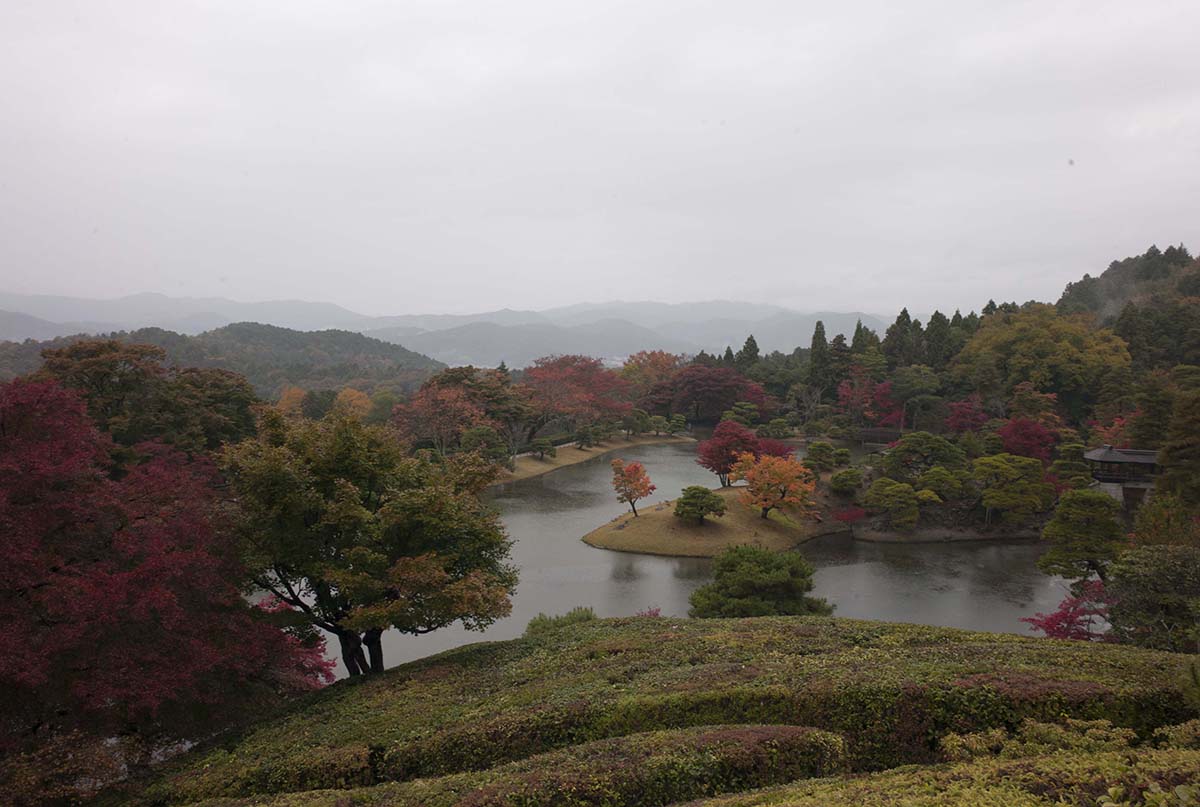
1084	535
696	502
339	523
1056	353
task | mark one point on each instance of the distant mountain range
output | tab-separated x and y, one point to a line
610	330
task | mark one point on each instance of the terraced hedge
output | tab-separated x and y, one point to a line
892	691
657	768
1070	778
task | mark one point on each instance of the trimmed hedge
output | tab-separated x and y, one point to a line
1078	778
893	691
644	769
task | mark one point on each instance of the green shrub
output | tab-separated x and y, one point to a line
841	457
749	581
543	448
1184	735
846	482
542	622
776	429
696	502
819	456
1034	738
897	499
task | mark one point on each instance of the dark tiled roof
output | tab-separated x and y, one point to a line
1110	454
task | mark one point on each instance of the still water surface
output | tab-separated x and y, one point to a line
984	586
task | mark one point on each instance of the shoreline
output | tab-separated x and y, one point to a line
941	535
527	466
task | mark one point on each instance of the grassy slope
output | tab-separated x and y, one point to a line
890	690
656	531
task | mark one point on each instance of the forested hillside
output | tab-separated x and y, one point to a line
268	356
1137	279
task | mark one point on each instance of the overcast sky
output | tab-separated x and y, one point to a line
425	156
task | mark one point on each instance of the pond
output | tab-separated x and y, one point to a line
985	586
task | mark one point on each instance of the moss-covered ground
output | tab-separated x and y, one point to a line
578	713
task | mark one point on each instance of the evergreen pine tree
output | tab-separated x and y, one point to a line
819	374
747	357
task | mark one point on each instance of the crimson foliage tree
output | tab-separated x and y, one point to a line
120	611
1027	438
721	452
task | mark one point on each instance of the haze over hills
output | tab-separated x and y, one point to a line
609	330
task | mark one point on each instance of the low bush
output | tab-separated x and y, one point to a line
846	482
656	768
543	623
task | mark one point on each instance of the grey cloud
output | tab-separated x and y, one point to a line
449	156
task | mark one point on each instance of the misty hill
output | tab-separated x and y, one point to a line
182	314
269	356
608	330
17	326
1156	273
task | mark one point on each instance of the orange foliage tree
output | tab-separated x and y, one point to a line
439	415
353	402
772	482
631	482
290	401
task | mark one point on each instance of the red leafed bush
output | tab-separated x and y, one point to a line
1082	616
850	515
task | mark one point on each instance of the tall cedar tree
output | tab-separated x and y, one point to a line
820	371
120	607
631	482
345	528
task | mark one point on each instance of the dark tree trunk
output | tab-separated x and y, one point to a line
352	653
372	639
633	507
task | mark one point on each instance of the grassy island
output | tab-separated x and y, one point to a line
657	531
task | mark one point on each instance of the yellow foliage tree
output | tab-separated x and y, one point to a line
290	401
353	402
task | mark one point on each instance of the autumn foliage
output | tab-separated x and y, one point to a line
730	440
631	482
120	607
773	482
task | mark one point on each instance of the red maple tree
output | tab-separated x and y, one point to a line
966	415
631	482
1080	616
120	606
440	415
1027	438
720	452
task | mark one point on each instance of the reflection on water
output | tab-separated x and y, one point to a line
984	586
